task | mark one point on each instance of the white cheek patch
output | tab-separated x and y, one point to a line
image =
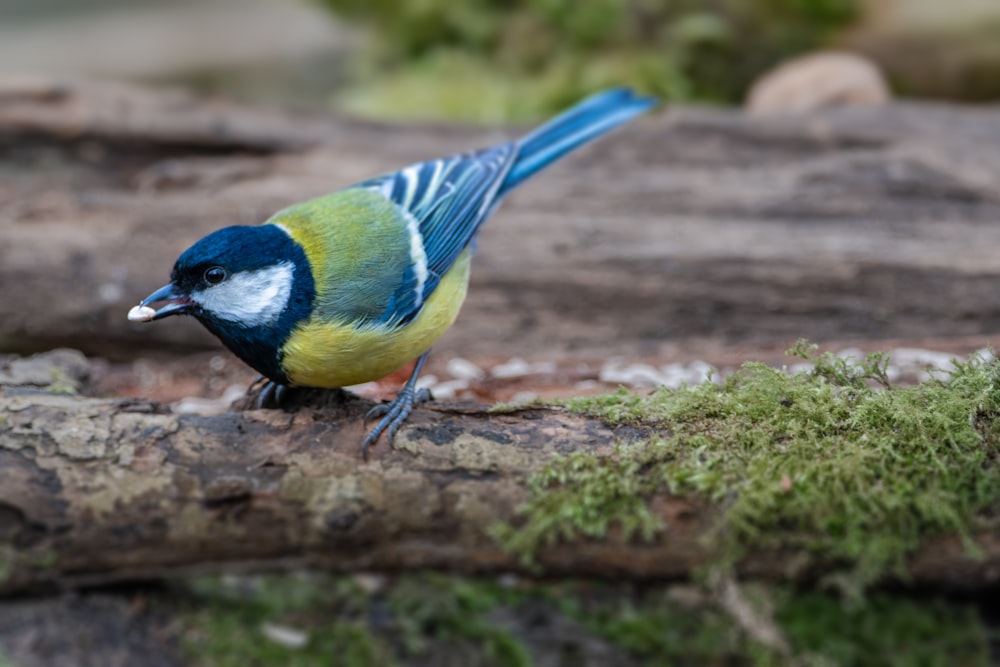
251	298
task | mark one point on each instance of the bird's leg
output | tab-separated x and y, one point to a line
395	412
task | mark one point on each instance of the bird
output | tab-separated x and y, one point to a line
354	285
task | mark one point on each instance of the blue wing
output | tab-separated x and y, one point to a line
444	202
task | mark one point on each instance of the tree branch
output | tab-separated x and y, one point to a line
101	490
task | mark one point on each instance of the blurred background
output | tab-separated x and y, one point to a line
494	60
870	230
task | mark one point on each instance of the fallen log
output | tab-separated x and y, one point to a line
98	490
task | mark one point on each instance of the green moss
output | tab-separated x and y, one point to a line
228	626
833	463
884	631
660	631
433	608
438	619
819	629
583	496
419	613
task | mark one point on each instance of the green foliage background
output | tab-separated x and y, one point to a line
432	619
500	60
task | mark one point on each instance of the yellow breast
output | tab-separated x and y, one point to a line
321	353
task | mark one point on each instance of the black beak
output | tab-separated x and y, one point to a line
177	303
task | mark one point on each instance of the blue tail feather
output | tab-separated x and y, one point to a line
586	121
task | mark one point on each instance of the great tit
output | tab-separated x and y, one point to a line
353	285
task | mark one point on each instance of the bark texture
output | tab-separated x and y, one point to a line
102	490
97	490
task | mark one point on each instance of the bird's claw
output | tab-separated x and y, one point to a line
272	395
421	395
393	414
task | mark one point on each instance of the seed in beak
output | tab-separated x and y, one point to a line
141	314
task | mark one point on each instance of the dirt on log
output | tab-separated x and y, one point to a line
687	225
97	491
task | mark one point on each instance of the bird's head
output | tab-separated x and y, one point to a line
249	286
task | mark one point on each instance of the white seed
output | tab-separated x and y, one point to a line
141	314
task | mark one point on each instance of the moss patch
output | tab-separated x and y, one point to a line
819	629
230	626
833	462
456	611
435	619
415	619
883	631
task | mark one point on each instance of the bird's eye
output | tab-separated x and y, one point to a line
215	275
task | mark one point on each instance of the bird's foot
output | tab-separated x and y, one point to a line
393	414
272	395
